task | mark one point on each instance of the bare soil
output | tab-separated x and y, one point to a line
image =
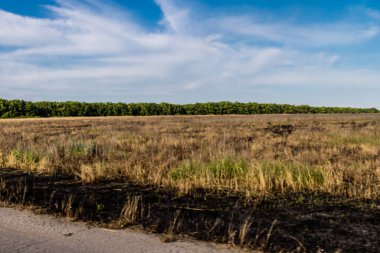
22	231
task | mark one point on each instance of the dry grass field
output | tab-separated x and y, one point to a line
253	155
254	158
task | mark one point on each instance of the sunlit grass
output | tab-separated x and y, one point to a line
231	153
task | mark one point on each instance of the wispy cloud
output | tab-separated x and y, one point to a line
372	13
89	51
175	19
312	35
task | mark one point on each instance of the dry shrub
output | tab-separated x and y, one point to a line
129	212
89	173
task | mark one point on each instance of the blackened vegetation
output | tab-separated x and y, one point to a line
296	222
281	130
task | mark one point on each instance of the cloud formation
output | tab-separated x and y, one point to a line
316	35
90	51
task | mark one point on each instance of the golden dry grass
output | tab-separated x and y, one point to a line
253	155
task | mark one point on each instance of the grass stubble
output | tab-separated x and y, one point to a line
240	163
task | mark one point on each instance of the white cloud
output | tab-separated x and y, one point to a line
88	51
321	76
175	19
23	31
317	35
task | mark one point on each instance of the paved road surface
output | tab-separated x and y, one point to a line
22	231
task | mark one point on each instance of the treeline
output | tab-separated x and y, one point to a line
21	108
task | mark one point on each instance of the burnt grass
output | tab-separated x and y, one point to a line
296	222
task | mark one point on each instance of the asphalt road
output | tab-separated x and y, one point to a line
22	231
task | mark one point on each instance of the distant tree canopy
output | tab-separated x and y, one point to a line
21	108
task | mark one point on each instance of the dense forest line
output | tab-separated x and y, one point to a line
21	108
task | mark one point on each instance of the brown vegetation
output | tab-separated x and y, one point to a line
254	155
273	182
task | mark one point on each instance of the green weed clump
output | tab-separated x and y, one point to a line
25	156
279	176
82	149
27	160
222	170
357	139
254	177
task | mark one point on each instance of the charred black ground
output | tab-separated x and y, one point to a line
304	221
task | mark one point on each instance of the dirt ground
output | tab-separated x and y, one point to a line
22	231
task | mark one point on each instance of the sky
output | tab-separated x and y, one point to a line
323	53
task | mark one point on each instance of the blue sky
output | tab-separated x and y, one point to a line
290	51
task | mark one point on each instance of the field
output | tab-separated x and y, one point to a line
269	182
